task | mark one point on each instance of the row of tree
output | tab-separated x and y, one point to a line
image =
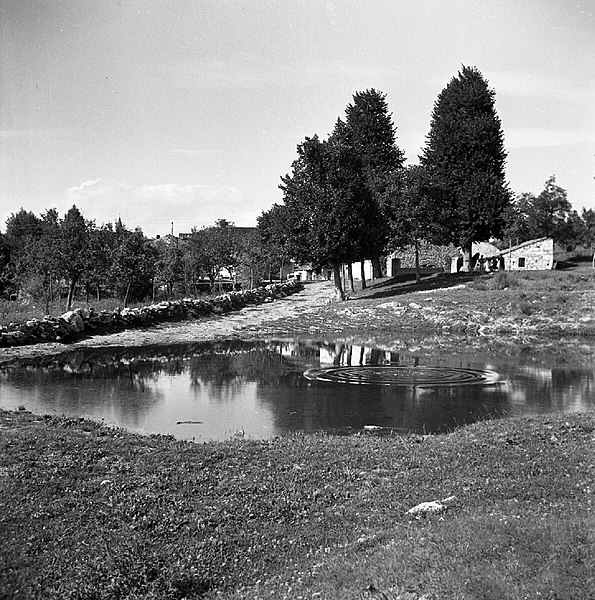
49	257
350	197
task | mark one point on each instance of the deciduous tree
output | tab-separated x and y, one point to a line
549	214
73	249
325	200
218	249
410	194
133	267
23	230
169	269
274	235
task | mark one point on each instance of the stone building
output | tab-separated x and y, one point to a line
534	255
431	256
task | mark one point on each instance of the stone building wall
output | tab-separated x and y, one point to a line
534	255
430	255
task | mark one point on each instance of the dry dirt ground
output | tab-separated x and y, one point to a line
439	314
269	319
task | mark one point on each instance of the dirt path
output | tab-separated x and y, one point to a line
453	318
249	322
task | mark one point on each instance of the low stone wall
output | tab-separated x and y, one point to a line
80	322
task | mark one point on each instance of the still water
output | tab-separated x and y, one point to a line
264	389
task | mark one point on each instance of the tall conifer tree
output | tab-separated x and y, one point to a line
370	130
465	157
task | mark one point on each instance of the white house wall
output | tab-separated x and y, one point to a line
357	270
538	255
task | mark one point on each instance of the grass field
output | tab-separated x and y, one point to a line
92	512
89	512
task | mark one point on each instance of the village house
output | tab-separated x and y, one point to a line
432	258
534	255
301	273
485	257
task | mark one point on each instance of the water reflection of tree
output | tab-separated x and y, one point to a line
269	365
220	369
553	389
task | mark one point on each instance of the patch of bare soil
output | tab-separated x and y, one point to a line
444	313
273	318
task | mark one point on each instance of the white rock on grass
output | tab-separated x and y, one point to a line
431	508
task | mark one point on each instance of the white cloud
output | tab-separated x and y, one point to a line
188	151
155	207
247	73
16	134
544	137
528	84
523	84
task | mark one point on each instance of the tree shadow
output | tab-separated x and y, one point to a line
406	284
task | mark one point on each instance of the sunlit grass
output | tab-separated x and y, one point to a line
93	512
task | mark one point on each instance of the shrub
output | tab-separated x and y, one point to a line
503	280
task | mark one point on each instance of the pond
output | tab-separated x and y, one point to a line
214	391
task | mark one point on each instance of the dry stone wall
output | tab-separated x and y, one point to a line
80	322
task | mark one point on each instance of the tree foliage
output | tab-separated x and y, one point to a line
326	204
52	258
216	248
465	158
73	249
549	214
274	238
410	193
370	131
133	266
333	210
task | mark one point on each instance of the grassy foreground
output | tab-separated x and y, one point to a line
88	512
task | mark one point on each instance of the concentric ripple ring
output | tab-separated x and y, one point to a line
403	376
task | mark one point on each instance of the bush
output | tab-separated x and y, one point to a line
503	280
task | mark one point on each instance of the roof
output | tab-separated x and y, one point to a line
484	249
524	244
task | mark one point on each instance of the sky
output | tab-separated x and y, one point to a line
171	114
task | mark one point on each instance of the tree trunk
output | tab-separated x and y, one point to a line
417	271
350	276
339	293
363	273
126	295
466	258
374	357
71	293
376	268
